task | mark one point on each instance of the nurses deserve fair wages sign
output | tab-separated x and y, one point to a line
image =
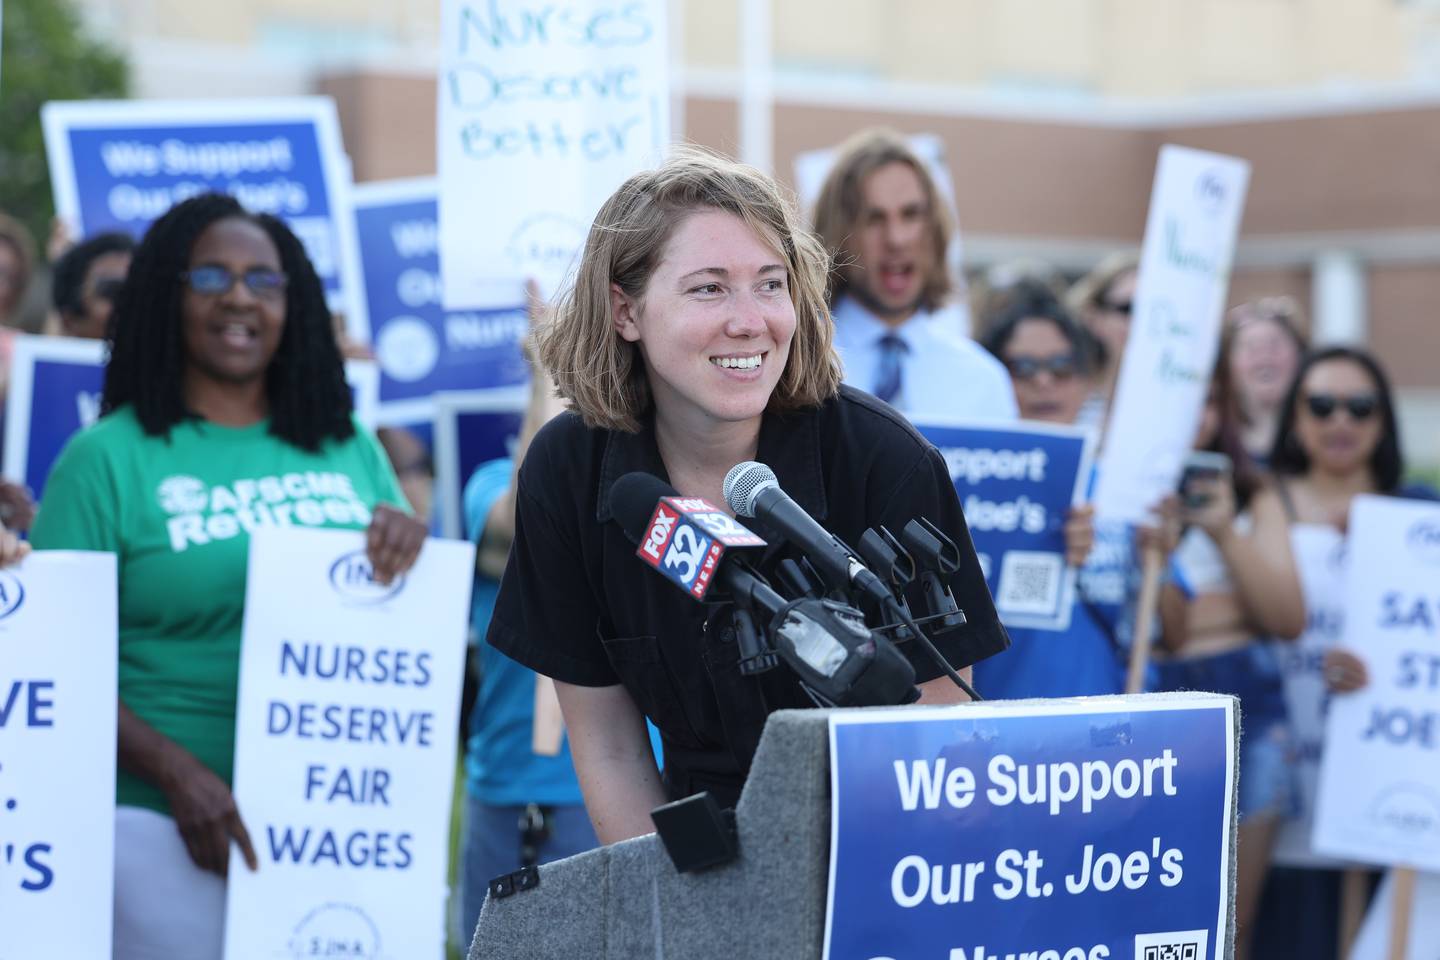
1070	830
345	739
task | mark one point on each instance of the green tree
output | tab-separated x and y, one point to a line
44	55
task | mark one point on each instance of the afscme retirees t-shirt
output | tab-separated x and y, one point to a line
177	512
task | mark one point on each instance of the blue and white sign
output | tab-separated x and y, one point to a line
1069	830
55	387
1016	483
57	755
423	348
1388	732
471	429
345	735
120	164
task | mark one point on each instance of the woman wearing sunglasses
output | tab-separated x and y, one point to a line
1052	361
1337	438
225	409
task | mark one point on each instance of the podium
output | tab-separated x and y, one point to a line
627	901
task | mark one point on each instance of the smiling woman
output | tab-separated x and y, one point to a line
696	337
225	409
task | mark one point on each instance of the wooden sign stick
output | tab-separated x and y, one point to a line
1148	605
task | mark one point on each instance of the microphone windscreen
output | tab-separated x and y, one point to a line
633	499
742	483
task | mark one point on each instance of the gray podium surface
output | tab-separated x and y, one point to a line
627	902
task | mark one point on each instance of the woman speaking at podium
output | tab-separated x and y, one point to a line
695	336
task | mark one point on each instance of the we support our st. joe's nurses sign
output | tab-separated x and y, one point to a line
119	165
1017	482
57	755
1066	830
1390	729
422	348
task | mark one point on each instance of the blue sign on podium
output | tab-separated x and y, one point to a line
1094	829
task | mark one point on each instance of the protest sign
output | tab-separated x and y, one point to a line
421	347
545	108
54	392
1017	483
1195	210
1390	729
120	164
470	429
1373	942
1321	558
345	739
57	755
1076	830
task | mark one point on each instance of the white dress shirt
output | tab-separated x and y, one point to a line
944	376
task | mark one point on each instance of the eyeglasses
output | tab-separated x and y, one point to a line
1361	406
108	288
213	281
1062	367
1121	308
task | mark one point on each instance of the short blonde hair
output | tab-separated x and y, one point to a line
838	208
1089	292
601	374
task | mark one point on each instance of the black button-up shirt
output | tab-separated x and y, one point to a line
577	605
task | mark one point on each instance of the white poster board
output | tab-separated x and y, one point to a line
345	743
1195	210
1373	943
57	755
1379	796
544	110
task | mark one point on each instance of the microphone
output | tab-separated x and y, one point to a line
752	490
827	644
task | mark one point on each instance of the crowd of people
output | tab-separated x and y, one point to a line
707	324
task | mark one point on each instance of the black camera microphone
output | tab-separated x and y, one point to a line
752	490
828	645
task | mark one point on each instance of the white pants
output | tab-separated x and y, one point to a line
166	908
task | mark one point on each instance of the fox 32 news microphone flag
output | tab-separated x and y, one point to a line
544	110
1195	210
1095	829
1390	729
345	745
57	755
119	165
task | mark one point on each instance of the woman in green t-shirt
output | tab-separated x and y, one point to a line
225	408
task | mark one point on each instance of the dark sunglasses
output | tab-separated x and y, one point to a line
1361	406
1062	367
108	288
1121	308
214	281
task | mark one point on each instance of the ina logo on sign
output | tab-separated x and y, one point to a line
1423	539
12	594
353	578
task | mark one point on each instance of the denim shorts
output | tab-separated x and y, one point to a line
1267	764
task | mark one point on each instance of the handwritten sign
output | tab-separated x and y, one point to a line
1390	730
1195	210
1078	830
1017	483
470	429
421	347
119	165
57	755
545	108
345	739
55	388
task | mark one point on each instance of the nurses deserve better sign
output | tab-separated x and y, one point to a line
1064	830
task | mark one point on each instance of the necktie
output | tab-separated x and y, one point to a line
889	380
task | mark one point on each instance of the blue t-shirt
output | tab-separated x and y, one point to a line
501	769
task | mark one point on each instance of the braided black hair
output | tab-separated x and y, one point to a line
67	276
310	401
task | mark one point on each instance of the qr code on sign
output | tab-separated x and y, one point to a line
1029	582
1179	945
